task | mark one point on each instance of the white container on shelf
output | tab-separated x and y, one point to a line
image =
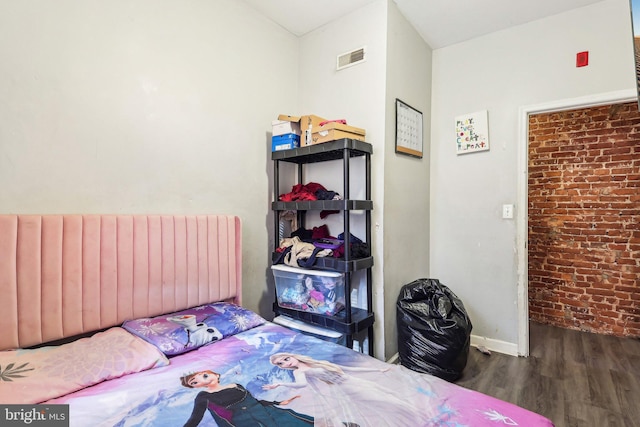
283	127
311	330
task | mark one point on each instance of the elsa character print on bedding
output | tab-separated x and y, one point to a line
340	396
329	383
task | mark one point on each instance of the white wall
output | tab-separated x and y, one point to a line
473	250
356	94
406	183
165	107
144	107
160	107
398	65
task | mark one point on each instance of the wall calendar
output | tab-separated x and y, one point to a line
408	130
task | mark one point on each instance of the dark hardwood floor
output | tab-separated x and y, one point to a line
576	379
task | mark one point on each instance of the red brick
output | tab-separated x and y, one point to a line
584	236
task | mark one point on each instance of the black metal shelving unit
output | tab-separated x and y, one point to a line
351	320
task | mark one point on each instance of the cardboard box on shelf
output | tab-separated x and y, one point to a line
310	121
335	130
306	123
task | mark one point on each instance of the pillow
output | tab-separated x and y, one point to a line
186	330
30	376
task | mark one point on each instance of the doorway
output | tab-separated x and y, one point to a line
565	275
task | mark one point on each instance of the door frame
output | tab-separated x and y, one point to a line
522	214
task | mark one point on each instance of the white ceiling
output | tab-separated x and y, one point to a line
440	22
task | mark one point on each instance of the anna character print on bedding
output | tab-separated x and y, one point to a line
233	405
346	399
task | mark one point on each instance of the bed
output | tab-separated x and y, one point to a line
175	346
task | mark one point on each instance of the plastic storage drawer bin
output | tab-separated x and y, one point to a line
311	330
314	291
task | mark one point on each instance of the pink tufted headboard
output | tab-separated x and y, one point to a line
64	275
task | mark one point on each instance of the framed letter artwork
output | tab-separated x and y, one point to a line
472	132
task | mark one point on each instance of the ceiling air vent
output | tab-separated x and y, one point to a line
350	58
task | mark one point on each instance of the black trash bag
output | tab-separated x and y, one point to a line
434	330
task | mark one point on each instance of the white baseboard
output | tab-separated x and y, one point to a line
498	346
495	345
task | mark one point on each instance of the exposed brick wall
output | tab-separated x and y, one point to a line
584	219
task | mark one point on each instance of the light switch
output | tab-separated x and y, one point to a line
507	211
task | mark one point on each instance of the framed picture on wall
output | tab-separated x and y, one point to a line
472	132
408	130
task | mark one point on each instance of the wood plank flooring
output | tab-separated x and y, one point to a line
576	379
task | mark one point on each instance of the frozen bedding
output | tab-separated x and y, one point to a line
207	365
268	375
